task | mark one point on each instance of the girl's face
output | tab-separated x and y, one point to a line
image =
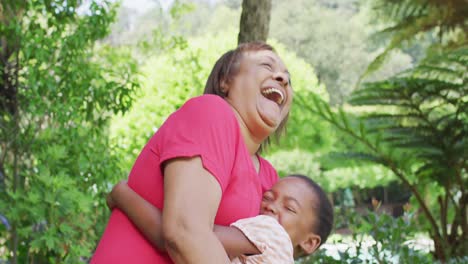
260	92
291	201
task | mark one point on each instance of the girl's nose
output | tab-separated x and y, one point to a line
271	207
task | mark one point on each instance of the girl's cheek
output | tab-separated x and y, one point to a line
280	220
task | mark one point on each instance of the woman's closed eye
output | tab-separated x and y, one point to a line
268	66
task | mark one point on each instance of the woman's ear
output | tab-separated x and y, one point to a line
310	244
224	86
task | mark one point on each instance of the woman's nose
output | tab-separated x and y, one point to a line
282	78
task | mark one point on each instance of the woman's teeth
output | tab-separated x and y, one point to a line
274	95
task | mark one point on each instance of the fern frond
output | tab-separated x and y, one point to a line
375	65
389	117
360	156
425	170
411	18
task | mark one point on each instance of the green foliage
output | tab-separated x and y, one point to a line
415	124
377	238
210	18
58	93
309	163
161	95
332	36
427	118
405	20
304	26
421	16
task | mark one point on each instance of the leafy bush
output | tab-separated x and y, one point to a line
310	163
376	238
57	94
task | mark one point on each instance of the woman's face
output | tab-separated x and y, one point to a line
261	92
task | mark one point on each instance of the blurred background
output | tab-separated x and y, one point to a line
379	118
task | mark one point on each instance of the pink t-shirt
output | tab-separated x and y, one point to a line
204	126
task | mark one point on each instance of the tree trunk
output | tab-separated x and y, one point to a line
9	106
255	20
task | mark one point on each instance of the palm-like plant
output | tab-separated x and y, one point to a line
416	124
406	19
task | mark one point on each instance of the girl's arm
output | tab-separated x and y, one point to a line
148	219
234	241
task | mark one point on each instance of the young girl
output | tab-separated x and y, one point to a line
295	219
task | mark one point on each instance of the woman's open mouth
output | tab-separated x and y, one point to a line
273	94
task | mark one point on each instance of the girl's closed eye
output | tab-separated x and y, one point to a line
291	209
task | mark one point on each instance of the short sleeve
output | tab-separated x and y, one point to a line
269	237
204	126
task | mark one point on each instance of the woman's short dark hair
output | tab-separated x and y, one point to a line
227	67
323	208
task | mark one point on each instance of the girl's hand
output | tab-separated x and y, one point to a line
110	202
110	198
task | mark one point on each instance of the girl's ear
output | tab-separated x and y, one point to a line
310	244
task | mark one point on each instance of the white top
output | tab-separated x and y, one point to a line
269	237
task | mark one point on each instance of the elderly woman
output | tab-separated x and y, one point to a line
202	166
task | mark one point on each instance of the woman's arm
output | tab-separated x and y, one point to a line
148	220
191	199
